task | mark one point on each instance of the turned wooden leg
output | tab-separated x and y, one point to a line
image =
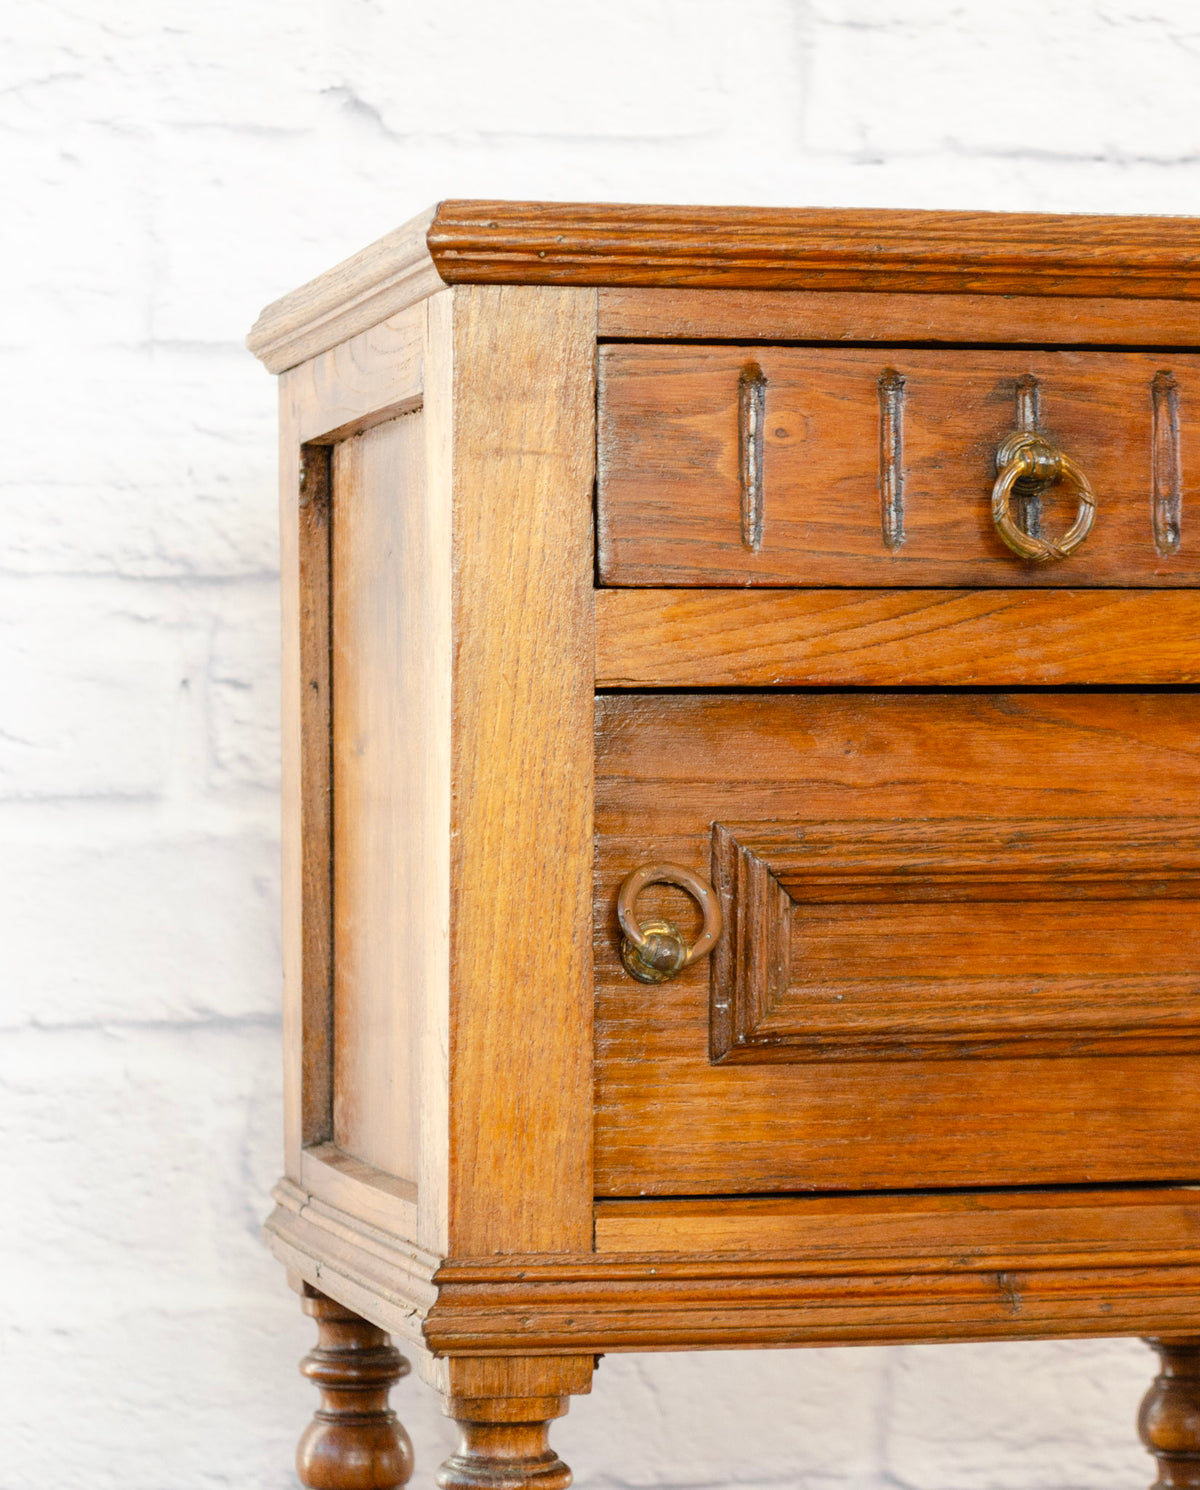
504	1444
1169	1420
353	1441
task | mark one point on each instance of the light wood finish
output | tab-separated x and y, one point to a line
392	274
522	770
829	315
384	702
365	381
370	1267
305	494
355	1442
668	1121
881	638
669	492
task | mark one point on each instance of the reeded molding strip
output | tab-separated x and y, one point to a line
1166	475
591	243
891	456
752	406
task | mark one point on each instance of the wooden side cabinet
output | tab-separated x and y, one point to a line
742	775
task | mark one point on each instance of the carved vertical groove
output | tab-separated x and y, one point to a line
1029	404
891	456
752	404
1165	473
1027	498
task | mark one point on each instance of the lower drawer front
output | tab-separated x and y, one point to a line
961	942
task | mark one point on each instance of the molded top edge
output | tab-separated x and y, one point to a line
767	248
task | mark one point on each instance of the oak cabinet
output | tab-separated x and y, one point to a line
742	840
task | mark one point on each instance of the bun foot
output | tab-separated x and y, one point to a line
504	1444
1169	1420
353	1442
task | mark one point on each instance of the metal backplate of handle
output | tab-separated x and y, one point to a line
654	951
1026	464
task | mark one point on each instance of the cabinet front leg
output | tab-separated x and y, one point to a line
1169	1420
353	1442
504	1444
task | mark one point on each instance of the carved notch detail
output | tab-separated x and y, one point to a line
891	456
752	411
1165	474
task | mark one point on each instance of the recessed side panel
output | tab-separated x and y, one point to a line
959	942
383	714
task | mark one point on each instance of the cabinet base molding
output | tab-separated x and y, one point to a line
385	1279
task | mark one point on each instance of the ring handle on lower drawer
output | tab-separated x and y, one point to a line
1027	460
656	951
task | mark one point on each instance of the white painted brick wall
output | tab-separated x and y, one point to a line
169	167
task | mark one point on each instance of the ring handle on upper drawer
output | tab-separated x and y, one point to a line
1026	462
656	951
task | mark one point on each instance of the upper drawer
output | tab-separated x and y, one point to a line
745	465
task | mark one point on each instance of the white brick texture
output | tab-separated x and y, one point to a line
169	167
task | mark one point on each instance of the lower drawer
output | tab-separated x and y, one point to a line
961	941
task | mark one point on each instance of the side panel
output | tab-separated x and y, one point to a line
384	769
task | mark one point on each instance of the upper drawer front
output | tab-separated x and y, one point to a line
743	465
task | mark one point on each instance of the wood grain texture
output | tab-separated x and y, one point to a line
813	248
354	1442
969	938
365	381
668	767
852	638
922	1232
305	495
668	506
388	276
681	1304
365	1266
644	314
824	249
385	762
520	1146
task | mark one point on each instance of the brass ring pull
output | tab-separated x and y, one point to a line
1027	460
656	951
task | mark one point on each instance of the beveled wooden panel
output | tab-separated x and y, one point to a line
787	638
950	937
842	502
384	713
669	767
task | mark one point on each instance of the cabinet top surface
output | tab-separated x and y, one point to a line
766	248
